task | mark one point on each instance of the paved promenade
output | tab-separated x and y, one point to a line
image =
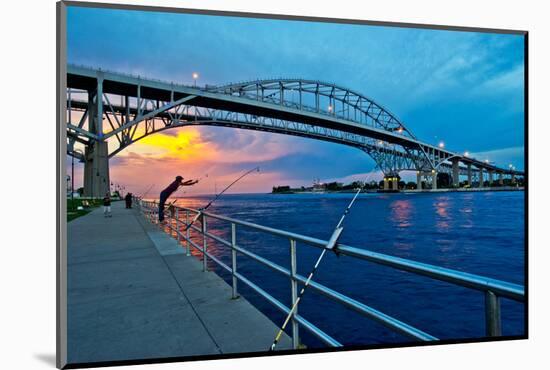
134	294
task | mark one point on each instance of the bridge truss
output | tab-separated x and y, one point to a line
106	106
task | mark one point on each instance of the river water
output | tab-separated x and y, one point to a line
475	232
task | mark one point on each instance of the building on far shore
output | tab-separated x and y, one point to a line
318	186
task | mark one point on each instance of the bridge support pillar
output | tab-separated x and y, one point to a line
500	179
96	170
418	180
469	175
481	177
434	180
456	180
394	180
395	183
513	178
490	177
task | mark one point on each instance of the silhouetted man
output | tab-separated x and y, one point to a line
128	199
170	189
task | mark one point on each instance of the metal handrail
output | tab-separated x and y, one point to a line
492	288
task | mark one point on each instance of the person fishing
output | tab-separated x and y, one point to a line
170	189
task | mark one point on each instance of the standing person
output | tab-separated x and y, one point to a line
128	199
107	205
170	189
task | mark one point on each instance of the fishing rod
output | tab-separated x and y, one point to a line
331	245
148	190
201	210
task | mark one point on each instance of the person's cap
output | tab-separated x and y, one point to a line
179	178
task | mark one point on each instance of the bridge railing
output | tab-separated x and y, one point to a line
178	219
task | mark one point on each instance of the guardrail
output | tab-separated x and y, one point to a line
492	289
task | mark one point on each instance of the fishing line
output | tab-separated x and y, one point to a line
201	210
148	190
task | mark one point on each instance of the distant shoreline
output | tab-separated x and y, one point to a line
411	191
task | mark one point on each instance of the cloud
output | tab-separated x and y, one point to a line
503	156
217	144
222	153
510	80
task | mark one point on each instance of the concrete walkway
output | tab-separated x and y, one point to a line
133	294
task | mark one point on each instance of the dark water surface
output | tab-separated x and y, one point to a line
480	233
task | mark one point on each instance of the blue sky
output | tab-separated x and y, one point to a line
463	88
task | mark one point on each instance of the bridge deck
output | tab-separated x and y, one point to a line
133	294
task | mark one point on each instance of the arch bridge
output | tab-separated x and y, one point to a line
104	105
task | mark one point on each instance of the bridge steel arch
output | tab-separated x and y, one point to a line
131	108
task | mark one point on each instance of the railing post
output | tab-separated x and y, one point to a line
187	233
178	237
204	239
294	294
492	315
172	221
235	295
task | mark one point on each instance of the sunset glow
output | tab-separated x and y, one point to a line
184	144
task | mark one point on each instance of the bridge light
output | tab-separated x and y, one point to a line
486	161
466	154
380	142
195	78
441	144
510	165
400	129
330	108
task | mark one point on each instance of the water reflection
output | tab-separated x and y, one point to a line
401	210
442	213
466	212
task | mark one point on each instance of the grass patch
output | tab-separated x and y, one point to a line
73	204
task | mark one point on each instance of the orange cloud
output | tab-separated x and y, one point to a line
186	145
194	152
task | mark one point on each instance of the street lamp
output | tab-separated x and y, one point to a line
441	144
330	108
466	154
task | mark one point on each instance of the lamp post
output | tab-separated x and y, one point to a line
72	170
195	78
